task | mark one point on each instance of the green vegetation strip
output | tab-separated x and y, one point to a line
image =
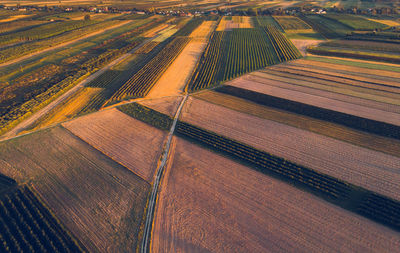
351	53
147	115
353	198
354	63
27	225
359	123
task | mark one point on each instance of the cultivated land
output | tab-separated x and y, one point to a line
207	204
363	167
174	80
165	105
279	153
98	200
359	138
127	141
316	100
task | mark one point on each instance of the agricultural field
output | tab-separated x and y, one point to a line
98	200
360	48
356	22
41	83
200	126
233	53
165	105
129	142
175	78
329	28
359	138
289	23
27	225
207	203
315	151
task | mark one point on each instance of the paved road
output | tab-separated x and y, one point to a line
153	197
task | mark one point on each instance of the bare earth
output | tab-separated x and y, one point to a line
208	203
303	44
323	102
173	81
126	140
98	200
167	105
370	169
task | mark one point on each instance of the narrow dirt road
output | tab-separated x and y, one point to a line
17	60
156	183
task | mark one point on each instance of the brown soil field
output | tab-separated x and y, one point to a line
323	102
334	87
370	169
355	70
311	88
70	108
367	82
128	141
98	200
167	105
208	203
174	80
359	138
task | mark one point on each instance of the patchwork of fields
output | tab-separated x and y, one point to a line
167	133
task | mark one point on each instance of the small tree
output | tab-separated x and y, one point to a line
87	17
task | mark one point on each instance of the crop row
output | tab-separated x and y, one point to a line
323	26
189	27
44	31
291	23
147	115
355	22
26	225
356	199
350	53
267	163
144	79
145	49
234	53
359	123
284	48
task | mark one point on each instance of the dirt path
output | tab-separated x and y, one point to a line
153	197
62	44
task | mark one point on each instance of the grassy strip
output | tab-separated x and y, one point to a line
354	63
348	53
350	197
147	115
359	123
